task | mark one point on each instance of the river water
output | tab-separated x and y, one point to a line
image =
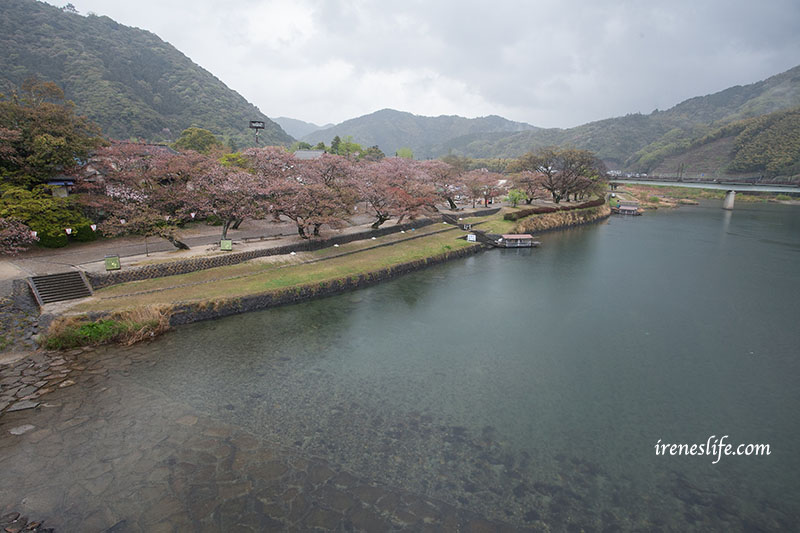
520	388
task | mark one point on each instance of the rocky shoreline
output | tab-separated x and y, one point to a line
16	523
25	381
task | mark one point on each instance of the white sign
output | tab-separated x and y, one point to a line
471	237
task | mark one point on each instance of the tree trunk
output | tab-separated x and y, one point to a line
316	229
529	201
177	243
453	205
381	220
225	227
301	231
237	223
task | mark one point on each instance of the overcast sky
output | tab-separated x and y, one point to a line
551	63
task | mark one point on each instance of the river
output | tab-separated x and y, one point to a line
521	388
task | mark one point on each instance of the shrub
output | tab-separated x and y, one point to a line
83	233
783	197
654	199
522	213
58	240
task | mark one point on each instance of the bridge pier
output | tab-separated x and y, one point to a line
727	203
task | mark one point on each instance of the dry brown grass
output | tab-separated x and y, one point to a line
123	327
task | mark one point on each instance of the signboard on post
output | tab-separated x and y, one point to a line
112	262
257	125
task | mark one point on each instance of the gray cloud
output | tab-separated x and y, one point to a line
548	62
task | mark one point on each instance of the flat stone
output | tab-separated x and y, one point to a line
188	420
19	430
66	383
21	406
319	473
26	391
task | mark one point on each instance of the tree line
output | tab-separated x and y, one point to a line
133	188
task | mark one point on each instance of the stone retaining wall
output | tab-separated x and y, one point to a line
562	220
99	281
195	312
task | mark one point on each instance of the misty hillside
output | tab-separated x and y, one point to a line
127	80
392	130
641	142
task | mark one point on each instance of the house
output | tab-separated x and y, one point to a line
60	185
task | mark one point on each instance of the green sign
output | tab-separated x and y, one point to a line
226	245
112	262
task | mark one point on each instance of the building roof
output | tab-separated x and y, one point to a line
517	236
309	154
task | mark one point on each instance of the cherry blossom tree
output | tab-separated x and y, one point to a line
446	180
141	189
484	185
563	171
530	183
396	187
14	236
311	193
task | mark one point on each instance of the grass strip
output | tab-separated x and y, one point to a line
264	278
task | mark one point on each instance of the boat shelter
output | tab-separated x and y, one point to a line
516	240
628	209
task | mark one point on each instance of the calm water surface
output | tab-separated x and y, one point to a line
530	387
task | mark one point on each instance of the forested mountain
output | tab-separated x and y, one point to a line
392	130
642	142
767	145
127	80
298	128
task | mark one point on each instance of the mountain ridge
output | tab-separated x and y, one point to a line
633	141
391	130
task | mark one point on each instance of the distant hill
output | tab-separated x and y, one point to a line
298	128
127	80
392	130
642	142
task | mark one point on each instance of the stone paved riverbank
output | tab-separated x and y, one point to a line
24	382
93	451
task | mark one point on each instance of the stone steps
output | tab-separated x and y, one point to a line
59	287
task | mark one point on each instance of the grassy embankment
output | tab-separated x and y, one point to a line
277	272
